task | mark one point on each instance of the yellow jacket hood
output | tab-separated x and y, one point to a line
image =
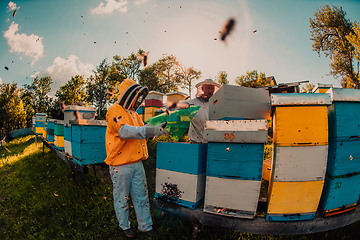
131	94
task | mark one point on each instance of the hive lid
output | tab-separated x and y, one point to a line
79	108
58	121
344	94
88	122
40	114
283	99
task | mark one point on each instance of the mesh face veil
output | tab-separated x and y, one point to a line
133	97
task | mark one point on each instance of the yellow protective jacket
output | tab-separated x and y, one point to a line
120	151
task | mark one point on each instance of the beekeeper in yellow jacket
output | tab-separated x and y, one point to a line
126	148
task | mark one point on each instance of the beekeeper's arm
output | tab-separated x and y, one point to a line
131	132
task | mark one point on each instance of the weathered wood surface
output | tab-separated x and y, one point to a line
259	225
238	102
236	131
190	187
235	196
300	125
300	163
291	99
344	94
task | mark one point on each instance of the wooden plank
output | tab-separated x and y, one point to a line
181	186
231	197
294	197
340	192
301	99
240	103
233	160
259	225
181	157
236	131
267	169
344	157
300	125
300	163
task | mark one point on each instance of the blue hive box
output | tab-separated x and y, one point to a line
180	173
88	141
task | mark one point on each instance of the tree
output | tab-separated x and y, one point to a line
12	113
252	79
73	91
96	87
186	76
328	30
308	88
221	78
126	67
354	39
38	92
160	76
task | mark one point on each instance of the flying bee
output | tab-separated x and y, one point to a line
229	26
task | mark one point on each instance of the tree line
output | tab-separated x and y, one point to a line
331	33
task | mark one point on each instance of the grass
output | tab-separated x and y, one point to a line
40	200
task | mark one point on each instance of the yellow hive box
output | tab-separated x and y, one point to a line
300	125
44	134
141	116
147	116
294	197
59	141
150	110
266	171
39	130
175	96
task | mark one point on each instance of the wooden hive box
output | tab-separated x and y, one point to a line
50	131
176	96
344	132
322	88
299	155
141	110
59	134
236	102
153	103
69	114
340	194
33	124
180	173
150	111
44	130
88	141
40	117
155	95
233	172
293	201
39	128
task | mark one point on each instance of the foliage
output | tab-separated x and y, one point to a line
354	40
38	93
12	113
186	76
329	30
308	88
252	79
221	78
126	67
73	91
39	199
161	75
96	87
28	106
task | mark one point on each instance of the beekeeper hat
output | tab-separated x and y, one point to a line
208	82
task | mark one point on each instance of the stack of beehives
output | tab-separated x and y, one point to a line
153	101
342	189
236	133
40	119
59	134
300	148
50	131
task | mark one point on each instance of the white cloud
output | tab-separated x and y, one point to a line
12	6
28	45
63	69
110	6
139	2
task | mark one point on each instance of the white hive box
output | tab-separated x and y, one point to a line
40	117
236	131
236	102
87	113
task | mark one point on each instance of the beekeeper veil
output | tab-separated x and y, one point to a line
131	94
208	81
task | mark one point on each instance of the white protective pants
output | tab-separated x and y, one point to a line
130	178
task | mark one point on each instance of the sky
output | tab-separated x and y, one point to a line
67	38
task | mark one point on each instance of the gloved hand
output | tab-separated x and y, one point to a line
156	131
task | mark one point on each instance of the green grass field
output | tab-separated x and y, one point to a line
40	200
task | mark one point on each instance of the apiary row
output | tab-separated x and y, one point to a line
315	164
79	135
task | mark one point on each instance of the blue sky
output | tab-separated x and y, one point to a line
56	38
